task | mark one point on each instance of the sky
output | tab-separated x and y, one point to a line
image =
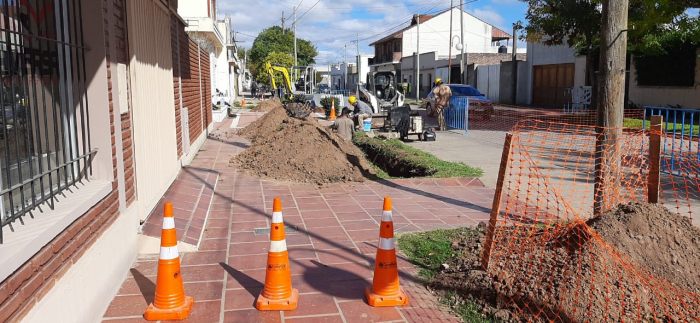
332	24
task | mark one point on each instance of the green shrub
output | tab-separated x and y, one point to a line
327	103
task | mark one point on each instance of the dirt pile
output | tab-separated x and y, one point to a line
268	123
611	268
296	150
267	106
664	243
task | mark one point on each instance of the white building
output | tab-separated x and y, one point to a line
217	37
338	74
479	37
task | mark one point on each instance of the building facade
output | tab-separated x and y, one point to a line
111	105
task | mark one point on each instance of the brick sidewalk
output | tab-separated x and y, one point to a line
331	255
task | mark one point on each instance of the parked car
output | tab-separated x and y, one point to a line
479	105
324	88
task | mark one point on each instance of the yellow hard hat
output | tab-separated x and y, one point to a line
438	80
352	99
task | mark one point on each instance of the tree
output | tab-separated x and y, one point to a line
274	58
272	40
203	41
577	23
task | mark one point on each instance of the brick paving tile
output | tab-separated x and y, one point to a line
339	256
145	286
313	304
302	252
241	299
248	226
311	269
125	320
368	247
357	216
315	319
317	214
252	315
418	215
364	235
321	223
202	312
245	279
347	271
325	244
202	273
360	225
350	289
252	248
207	291
145	268
331	233
359	311
218	223
248	262
427	315
237	237
347	208
298	240
213	244
127	306
308	283
203	257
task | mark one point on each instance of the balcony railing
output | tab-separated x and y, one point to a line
394	57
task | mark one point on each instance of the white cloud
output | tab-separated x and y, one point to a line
504	1
489	15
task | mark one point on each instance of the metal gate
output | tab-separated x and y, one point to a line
155	142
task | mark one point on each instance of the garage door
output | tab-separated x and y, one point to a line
550	83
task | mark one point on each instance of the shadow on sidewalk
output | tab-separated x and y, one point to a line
146	286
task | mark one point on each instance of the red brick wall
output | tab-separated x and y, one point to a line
206	87
196	85
176	27
30	283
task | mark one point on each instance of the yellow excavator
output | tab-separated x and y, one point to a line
271	69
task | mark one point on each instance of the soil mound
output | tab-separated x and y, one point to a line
267	106
290	149
265	125
666	244
617	267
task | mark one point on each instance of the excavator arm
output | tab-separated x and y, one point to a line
287	83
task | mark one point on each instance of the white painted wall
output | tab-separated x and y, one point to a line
83	294
688	97
192	8
435	35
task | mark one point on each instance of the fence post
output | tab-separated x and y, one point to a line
466	118
653	181
495	209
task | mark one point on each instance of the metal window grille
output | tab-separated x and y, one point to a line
44	138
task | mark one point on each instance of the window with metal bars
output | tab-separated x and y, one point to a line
44	137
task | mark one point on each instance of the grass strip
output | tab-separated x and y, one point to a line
428	251
398	160
686	129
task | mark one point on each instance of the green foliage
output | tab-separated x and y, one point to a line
577	23
667	56
407	161
466	309
272	40
681	129
429	250
327	104
275	58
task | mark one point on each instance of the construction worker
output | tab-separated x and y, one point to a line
362	110
344	125
442	95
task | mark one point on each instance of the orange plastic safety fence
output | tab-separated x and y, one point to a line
547	261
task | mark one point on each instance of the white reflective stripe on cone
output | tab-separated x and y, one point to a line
168	223
276	217
386	244
387	217
169	253
278	246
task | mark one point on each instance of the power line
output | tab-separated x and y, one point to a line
312	7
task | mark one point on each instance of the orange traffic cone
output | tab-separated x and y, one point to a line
278	294
333	117
385	289
170	302
242	101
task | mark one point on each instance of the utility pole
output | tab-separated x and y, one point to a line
514	81
611	102
418	60
449	65
345	85
282	22
359	65
462	73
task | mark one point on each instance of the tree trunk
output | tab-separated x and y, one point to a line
611	101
